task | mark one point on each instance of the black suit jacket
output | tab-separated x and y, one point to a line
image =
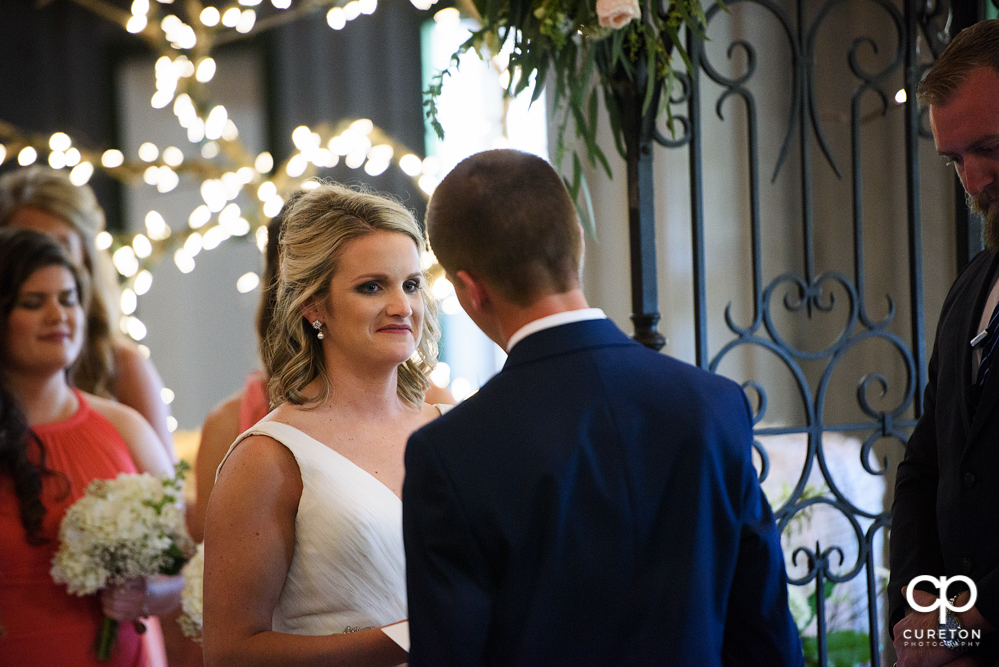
945	516
595	503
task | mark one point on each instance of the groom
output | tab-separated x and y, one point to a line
595	503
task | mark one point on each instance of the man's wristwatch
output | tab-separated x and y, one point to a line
947	632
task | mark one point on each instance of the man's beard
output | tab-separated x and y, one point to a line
986	206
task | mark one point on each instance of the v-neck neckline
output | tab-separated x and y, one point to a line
261	428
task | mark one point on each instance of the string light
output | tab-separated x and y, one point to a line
441	375
125	261
134	327
199	217
461	388
442	288
352	10
143	282
231	17
210	17
57	159
27	156
136	24
206	69
216	122
60	141
359	141
336	18
264	163
156	226
431	166
142	247
173	156
273	206
411	165
168	179
183	261
246	21
214	237
428	184
113	158
247	282
148	152
129	301
193	244
81	174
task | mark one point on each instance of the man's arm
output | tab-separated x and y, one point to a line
759	629
914	546
447	573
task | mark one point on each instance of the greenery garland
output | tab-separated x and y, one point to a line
573	39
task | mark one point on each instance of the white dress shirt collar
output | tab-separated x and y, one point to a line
556	320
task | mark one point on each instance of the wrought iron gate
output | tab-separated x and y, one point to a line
853	408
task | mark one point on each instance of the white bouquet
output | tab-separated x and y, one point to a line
192	599
131	526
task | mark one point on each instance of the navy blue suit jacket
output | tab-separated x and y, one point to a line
595	503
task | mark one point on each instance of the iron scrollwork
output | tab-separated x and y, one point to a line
811	292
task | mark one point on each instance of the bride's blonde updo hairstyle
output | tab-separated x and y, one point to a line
52	192
317	228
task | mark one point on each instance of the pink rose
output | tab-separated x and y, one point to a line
617	13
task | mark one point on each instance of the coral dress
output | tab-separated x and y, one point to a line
42	623
254	405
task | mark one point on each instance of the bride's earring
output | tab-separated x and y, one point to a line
318	326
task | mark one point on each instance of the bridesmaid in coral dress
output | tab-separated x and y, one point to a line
54	440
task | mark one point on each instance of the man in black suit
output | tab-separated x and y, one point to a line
945	518
595	503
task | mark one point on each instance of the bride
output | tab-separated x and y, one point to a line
303	537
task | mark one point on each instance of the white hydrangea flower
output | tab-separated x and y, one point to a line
131	526
192	598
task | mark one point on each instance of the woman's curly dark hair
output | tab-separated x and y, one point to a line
22	454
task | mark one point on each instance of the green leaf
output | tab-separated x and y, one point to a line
603	160
683	54
614	115
587	217
844	648
650	78
176	560
576	186
592	110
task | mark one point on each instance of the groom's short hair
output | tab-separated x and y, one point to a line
505	217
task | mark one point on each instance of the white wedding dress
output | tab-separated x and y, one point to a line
349	565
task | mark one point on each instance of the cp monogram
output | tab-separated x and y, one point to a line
943	603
